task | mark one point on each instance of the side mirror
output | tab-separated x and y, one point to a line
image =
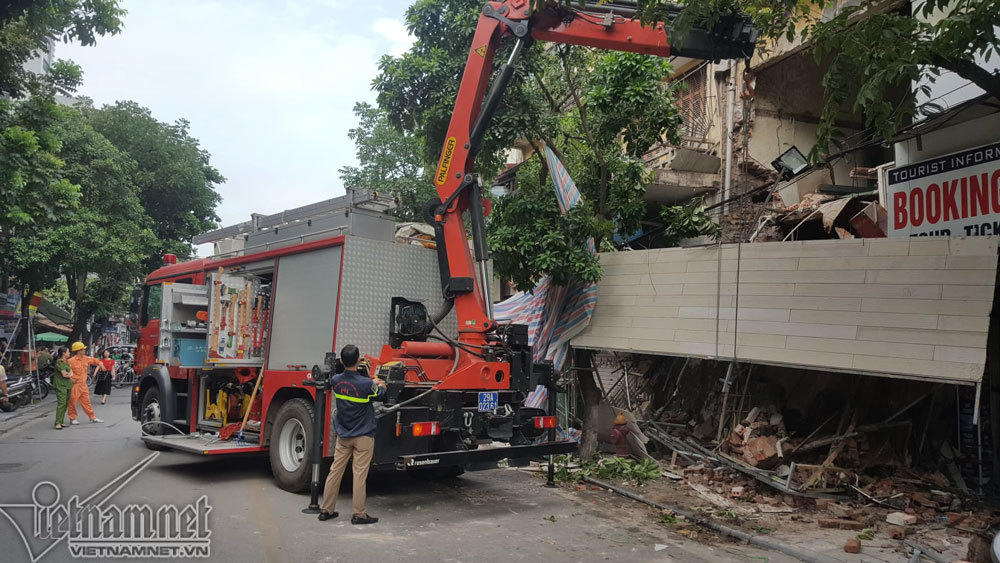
134	302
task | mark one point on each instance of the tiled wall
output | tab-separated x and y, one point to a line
904	306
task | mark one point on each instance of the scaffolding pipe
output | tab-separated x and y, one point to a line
727	183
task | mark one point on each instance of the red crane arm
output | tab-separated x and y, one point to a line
464	276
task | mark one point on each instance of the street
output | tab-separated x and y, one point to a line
480	516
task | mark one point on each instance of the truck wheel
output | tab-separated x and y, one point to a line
290	451
149	412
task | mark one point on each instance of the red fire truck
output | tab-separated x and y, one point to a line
227	342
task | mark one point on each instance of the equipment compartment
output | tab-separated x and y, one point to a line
183	311
238	314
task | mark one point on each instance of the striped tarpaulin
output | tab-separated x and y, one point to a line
554	314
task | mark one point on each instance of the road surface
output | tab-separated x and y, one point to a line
482	516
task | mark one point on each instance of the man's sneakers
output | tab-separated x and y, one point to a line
95	419
74	422
363	519
324	516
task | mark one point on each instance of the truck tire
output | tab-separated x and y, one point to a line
290	450
149	411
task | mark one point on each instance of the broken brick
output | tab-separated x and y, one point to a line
955	518
840	524
852	545
839	510
736	492
923	500
941	497
898	532
822	503
761	451
901	518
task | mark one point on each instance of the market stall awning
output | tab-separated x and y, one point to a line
50	337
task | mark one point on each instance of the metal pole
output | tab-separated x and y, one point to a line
727	182
550	482
322	385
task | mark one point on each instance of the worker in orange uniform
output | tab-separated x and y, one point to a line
78	364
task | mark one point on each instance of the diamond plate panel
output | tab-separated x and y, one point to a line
374	273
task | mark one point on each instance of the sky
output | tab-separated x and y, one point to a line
268	86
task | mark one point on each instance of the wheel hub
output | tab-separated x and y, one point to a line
292	445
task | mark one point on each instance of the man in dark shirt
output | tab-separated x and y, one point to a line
355	426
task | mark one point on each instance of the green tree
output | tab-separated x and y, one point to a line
175	178
617	107
33	189
872	51
418	89
390	160
101	248
29	27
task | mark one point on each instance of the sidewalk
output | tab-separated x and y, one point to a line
27	413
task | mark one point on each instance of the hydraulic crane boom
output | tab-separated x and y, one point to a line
464	275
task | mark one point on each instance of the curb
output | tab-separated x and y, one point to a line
759	541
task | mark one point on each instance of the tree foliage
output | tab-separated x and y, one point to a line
390	161
418	89
175	179
34	191
873	51
600	111
29	27
102	247
685	221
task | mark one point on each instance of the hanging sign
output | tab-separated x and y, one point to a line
952	195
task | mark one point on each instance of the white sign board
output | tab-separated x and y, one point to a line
952	195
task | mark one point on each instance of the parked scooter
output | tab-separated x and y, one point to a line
18	394
21	390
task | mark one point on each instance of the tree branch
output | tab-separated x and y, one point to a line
552	102
545	165
602	200
988	81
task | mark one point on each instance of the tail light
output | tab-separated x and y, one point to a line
136	388
545	422
426	428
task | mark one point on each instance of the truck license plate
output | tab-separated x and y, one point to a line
488	401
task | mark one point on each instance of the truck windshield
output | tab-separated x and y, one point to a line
151	307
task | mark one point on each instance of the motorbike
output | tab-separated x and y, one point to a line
124	371
20	391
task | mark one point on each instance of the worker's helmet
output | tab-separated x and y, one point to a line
77	346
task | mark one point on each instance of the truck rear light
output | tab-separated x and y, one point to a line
426	428
545	422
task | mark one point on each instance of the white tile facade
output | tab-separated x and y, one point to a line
913	307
